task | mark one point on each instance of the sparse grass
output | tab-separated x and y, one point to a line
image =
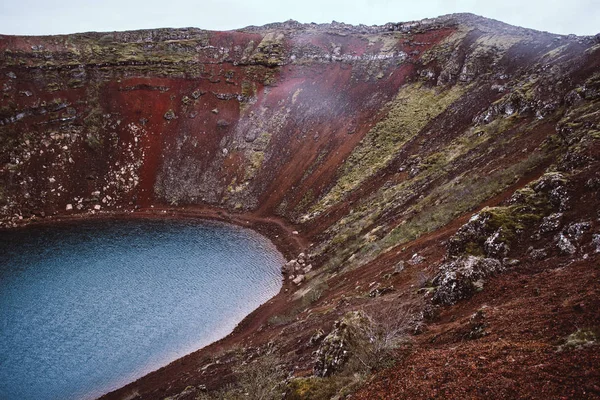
314	388
421	207
308	297
255	160
260	379
255	155
456	198
413	107
580	338
270	50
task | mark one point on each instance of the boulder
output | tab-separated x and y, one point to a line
416	259
334	350
537	254
289	267
596	242
169	115
459	279
564	245
399	267
551	223
576	230
495	246
380	291
250	137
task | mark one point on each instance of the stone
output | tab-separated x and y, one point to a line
495	247
169	115
554	185
197	93
416	259
250	137
456	279
317	337
538	254
380	291
511	262
301	258
477	325
289	267
576	230
334	350
399	267
593	183
596	242
551	223
565	246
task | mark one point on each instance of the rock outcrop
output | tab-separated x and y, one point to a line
367	140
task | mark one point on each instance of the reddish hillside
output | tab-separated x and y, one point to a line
445	171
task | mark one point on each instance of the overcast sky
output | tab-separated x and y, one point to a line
37	17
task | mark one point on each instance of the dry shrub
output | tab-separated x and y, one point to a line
261	379
377	342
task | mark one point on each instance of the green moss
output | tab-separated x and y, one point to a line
260	73
441	205
255	160
557	51
409	112
75	83
270	50
314	165
444	49
248	89
53	87
430	199
314	388
306	200
457	199
580	338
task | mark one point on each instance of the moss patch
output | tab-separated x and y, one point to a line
410	112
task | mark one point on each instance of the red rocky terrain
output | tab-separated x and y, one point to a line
435	185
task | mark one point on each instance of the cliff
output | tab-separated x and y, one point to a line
408	155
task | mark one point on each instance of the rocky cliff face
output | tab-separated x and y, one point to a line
365	138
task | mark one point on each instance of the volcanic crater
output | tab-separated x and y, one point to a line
435	185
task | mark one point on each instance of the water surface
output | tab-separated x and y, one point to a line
88	307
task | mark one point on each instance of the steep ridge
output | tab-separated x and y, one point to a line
373	143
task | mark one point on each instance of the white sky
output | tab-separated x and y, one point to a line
37	17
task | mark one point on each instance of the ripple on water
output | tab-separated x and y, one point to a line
88	307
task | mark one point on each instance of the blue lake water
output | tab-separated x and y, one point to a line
90	306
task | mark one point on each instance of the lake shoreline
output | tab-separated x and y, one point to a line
277	230
282	234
